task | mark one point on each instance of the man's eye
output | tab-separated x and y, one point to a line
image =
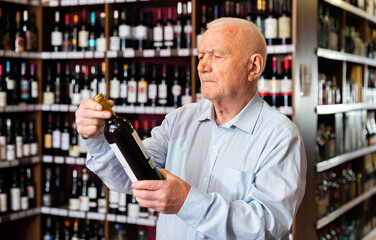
217	56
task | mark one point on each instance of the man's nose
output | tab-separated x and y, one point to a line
204	65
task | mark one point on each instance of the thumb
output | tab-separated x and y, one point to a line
165	174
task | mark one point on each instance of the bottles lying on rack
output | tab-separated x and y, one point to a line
143	84
74	84
370	89
275	86
18	32
17	190
17	139
72	228
18	83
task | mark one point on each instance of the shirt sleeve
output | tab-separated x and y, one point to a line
102	161
271	204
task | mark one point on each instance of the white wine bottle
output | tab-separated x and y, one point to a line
128	146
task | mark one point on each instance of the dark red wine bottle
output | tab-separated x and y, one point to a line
127	146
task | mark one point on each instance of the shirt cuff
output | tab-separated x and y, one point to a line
195	207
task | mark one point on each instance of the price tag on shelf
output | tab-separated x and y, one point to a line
169	109
165	53
98	54
47	159
56	55
111	217
89	54
140	110
55	107
83	2
35	159
72	108
54	3
183	52
149	53
59	160
69	160
112	54
129	109
128	53
63	212
80	161
160	110
4	164
46	107
64	107
55	211
121	218
45	210
96	216
76	214
14	216
146	221
14	163
132	220
149	110
46	55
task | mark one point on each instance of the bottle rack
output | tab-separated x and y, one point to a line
42	58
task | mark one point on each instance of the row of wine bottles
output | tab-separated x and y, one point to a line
17	138
17	190
18	31
135	84
18	83
276	88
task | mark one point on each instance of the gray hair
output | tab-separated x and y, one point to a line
248	29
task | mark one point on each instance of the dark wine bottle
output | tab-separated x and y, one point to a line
128	146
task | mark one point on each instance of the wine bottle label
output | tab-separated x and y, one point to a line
260	24
47	199
25	89
30	192
19	143
83	39
76	98
114	43
74	204
56	139
122	201
286	86
152	91
92	192
140	33
263	86
176	90
178	29
123	90
65	141
132	93
26	149
3	202
284	27
85	94
168	33
125	31
34	149
187	29
19	45
11	152
102	205
271	25
15	199
3	148
113	197
47	141
101	44
10	84
74	151
34	89
142	92
48	98
84	203
24	203
162	93
3	99
274	87
133	210
56	38
124	163
114	89
186	99
158	36
102	88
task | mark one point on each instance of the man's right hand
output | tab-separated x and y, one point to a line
90	118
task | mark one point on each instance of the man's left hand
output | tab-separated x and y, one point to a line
165	196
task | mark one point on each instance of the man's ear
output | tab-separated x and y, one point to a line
255	66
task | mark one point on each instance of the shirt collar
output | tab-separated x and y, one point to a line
245	120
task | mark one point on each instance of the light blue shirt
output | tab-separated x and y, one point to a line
247	176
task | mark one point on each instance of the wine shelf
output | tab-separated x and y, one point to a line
19	215
344	208
20	162
63	160
333	162
371	235
352	9
63	212
338	108
342	56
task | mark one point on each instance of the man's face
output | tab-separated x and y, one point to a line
222	67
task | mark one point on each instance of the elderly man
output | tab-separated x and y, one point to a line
233	167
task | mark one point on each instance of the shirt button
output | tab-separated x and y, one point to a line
205	179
